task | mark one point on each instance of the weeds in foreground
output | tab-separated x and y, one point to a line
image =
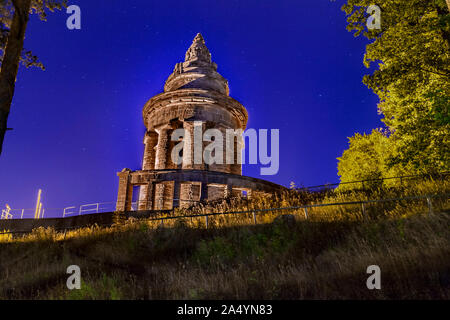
322	257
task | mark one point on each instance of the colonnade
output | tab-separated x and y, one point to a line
165	195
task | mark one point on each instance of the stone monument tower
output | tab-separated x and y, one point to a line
195	97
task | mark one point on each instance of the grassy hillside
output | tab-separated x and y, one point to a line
324	257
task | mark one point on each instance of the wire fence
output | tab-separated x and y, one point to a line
362	208
99	207
357	210
369	184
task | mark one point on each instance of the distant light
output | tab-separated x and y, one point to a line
37	212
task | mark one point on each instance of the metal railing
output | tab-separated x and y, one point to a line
6	213
98	207
29	213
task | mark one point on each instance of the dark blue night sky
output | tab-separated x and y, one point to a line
292	64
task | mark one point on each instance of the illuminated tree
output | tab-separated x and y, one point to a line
412	80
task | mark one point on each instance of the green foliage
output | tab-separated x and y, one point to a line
274	240
419	121
104	288
366	159
412	80
217	250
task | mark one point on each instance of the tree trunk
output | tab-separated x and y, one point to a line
448	5
10	63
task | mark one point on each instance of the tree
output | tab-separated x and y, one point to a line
365	159
412	80
13	23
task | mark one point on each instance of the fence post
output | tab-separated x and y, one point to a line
206	221
363	209
306	212
21	216
430	206
254	217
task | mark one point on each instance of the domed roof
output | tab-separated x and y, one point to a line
197	71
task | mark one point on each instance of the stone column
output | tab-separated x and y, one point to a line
148	163
188	146
161	149
190	194
236	168
150	141
168	195
193	147
125	193
224	167
146	196
199	145
170	145
159	196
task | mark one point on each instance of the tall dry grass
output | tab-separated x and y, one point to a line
322	257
